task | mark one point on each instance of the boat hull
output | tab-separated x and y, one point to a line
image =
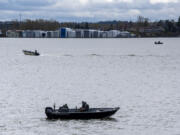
94	113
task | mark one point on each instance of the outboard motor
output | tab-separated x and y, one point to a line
48	109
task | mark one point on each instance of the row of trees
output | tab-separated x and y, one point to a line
170	27
39	24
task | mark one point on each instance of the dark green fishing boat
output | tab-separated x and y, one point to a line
35	53
82	113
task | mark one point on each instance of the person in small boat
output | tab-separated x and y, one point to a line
36	52
158	42
85	107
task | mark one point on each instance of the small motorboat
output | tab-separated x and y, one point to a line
32	53
82	113
158	43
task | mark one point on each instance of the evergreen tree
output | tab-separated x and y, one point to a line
178	23
86	25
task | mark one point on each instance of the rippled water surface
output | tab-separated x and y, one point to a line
134	74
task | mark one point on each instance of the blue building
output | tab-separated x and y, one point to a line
67	33
63	32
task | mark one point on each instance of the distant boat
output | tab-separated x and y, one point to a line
158	43
82	113
32	53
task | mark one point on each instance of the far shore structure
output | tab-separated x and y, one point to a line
41	28
69	33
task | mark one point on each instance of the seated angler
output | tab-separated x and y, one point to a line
64	108
85	106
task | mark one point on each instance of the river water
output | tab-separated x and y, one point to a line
141	78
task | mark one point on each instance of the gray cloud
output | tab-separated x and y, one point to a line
89	10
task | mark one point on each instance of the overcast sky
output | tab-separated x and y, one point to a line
89	10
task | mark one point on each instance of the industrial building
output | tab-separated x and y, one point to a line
55	34
86	34
79	33
14	33
69	33
28	34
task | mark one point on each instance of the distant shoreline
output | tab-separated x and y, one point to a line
86	38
